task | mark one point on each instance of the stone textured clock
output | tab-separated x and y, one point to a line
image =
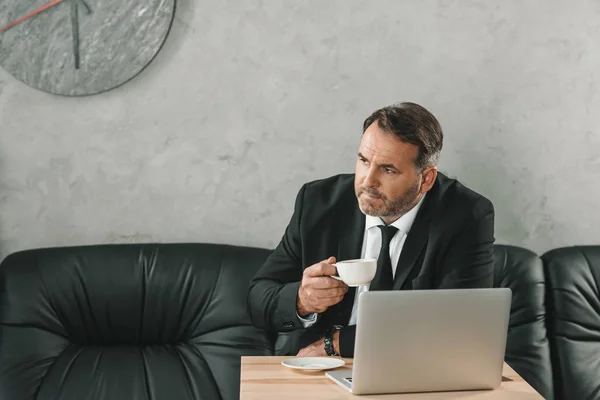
81	47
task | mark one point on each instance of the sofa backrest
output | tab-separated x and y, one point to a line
573	303
104	320
127	321
527	348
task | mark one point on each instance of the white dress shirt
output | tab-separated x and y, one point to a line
371	247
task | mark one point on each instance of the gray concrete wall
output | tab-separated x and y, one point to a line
249	99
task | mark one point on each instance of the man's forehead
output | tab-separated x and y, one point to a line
371	149
387	149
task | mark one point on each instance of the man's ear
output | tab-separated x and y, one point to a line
428	179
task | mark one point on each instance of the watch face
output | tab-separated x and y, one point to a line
81	47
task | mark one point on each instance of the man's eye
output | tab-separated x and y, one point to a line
362	160
389	171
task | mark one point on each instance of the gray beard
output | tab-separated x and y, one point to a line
395	208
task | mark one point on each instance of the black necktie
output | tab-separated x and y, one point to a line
384	278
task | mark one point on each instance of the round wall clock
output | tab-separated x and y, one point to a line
81	47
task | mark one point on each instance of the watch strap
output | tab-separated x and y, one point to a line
328	341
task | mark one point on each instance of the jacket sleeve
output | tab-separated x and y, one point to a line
273	290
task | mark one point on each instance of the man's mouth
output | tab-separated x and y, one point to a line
372	195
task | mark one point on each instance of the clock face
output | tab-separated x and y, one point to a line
81	47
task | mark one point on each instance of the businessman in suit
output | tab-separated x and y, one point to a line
426	230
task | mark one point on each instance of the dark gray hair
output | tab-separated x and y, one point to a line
411	123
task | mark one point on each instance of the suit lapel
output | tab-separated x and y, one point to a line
413	246
351	232
415	241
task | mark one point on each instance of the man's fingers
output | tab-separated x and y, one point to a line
318	290
330	293
315	295
321	269
324	304
324	282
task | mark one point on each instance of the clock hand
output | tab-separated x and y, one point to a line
31	14
75	27
75	30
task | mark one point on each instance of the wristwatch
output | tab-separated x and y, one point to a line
329	349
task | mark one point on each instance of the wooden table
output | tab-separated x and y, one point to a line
265	378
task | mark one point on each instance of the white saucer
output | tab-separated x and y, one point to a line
313	363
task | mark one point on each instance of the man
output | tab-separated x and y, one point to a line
426	230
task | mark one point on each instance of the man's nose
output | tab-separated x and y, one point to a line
371	180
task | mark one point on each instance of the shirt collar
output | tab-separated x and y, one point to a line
404	223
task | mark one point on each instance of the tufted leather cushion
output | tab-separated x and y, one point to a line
573	304
161	321
527	347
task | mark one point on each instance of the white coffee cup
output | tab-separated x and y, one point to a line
357	272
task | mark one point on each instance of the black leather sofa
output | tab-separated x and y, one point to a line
527	347
169	321
573	306
127	322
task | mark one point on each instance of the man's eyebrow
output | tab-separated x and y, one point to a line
391	166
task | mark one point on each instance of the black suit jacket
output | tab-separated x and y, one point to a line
450	245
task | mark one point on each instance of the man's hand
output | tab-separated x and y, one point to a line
318	291
317	349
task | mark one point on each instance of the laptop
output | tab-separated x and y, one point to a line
428	341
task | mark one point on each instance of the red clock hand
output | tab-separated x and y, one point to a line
31	14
